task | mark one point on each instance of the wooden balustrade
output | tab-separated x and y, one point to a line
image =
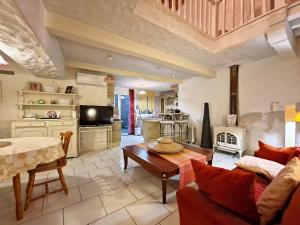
217	17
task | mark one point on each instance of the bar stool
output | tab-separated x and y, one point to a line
166	125
184	126
177	117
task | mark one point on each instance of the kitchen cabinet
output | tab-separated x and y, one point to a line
31	132
47	128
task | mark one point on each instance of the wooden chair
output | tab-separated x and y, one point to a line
55	165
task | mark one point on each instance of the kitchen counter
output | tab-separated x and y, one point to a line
150	129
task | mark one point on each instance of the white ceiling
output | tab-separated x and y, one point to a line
82	53
141	84
117	16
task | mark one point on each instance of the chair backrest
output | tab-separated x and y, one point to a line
185	117
66	138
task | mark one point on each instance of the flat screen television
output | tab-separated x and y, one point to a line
91	115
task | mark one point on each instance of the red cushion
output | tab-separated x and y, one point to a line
280	155
260	182
292	212
196	209
233	190
296	153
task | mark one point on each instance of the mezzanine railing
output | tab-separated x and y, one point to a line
218	17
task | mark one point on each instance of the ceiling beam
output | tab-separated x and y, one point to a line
74	30
119	72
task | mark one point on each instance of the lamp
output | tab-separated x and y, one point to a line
142	92
297	117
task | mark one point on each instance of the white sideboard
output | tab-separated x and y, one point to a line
47	128
95	138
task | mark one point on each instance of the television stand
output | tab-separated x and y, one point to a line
96	137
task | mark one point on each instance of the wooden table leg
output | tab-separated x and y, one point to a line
17	192
164	190
125	161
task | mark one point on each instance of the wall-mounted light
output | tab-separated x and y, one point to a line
109	58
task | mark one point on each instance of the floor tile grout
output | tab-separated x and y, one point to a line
134	174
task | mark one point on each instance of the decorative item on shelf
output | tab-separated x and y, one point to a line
30	102
177	110
109	79
33	86
69	89
41	101
275	106
206	138
231	120
165	145
51	88
174	87
52	115
65	101
53	102
30	116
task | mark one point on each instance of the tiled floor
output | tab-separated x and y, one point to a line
101	193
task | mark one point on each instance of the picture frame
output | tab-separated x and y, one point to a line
69	89
33	86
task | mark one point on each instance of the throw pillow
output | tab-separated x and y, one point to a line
232	190
280	155
275	196
265	167
296	153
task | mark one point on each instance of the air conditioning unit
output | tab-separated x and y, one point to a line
91	79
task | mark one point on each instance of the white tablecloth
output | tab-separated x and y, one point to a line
26	153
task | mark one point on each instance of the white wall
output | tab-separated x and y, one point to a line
260	83
194	92
89	95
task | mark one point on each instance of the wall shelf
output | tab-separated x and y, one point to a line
45	93
45	105
28	103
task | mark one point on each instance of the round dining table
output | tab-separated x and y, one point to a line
22	154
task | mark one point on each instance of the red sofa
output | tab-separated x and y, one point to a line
197	209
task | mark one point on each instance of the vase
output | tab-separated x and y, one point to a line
206	138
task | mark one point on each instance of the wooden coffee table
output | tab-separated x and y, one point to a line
158	165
